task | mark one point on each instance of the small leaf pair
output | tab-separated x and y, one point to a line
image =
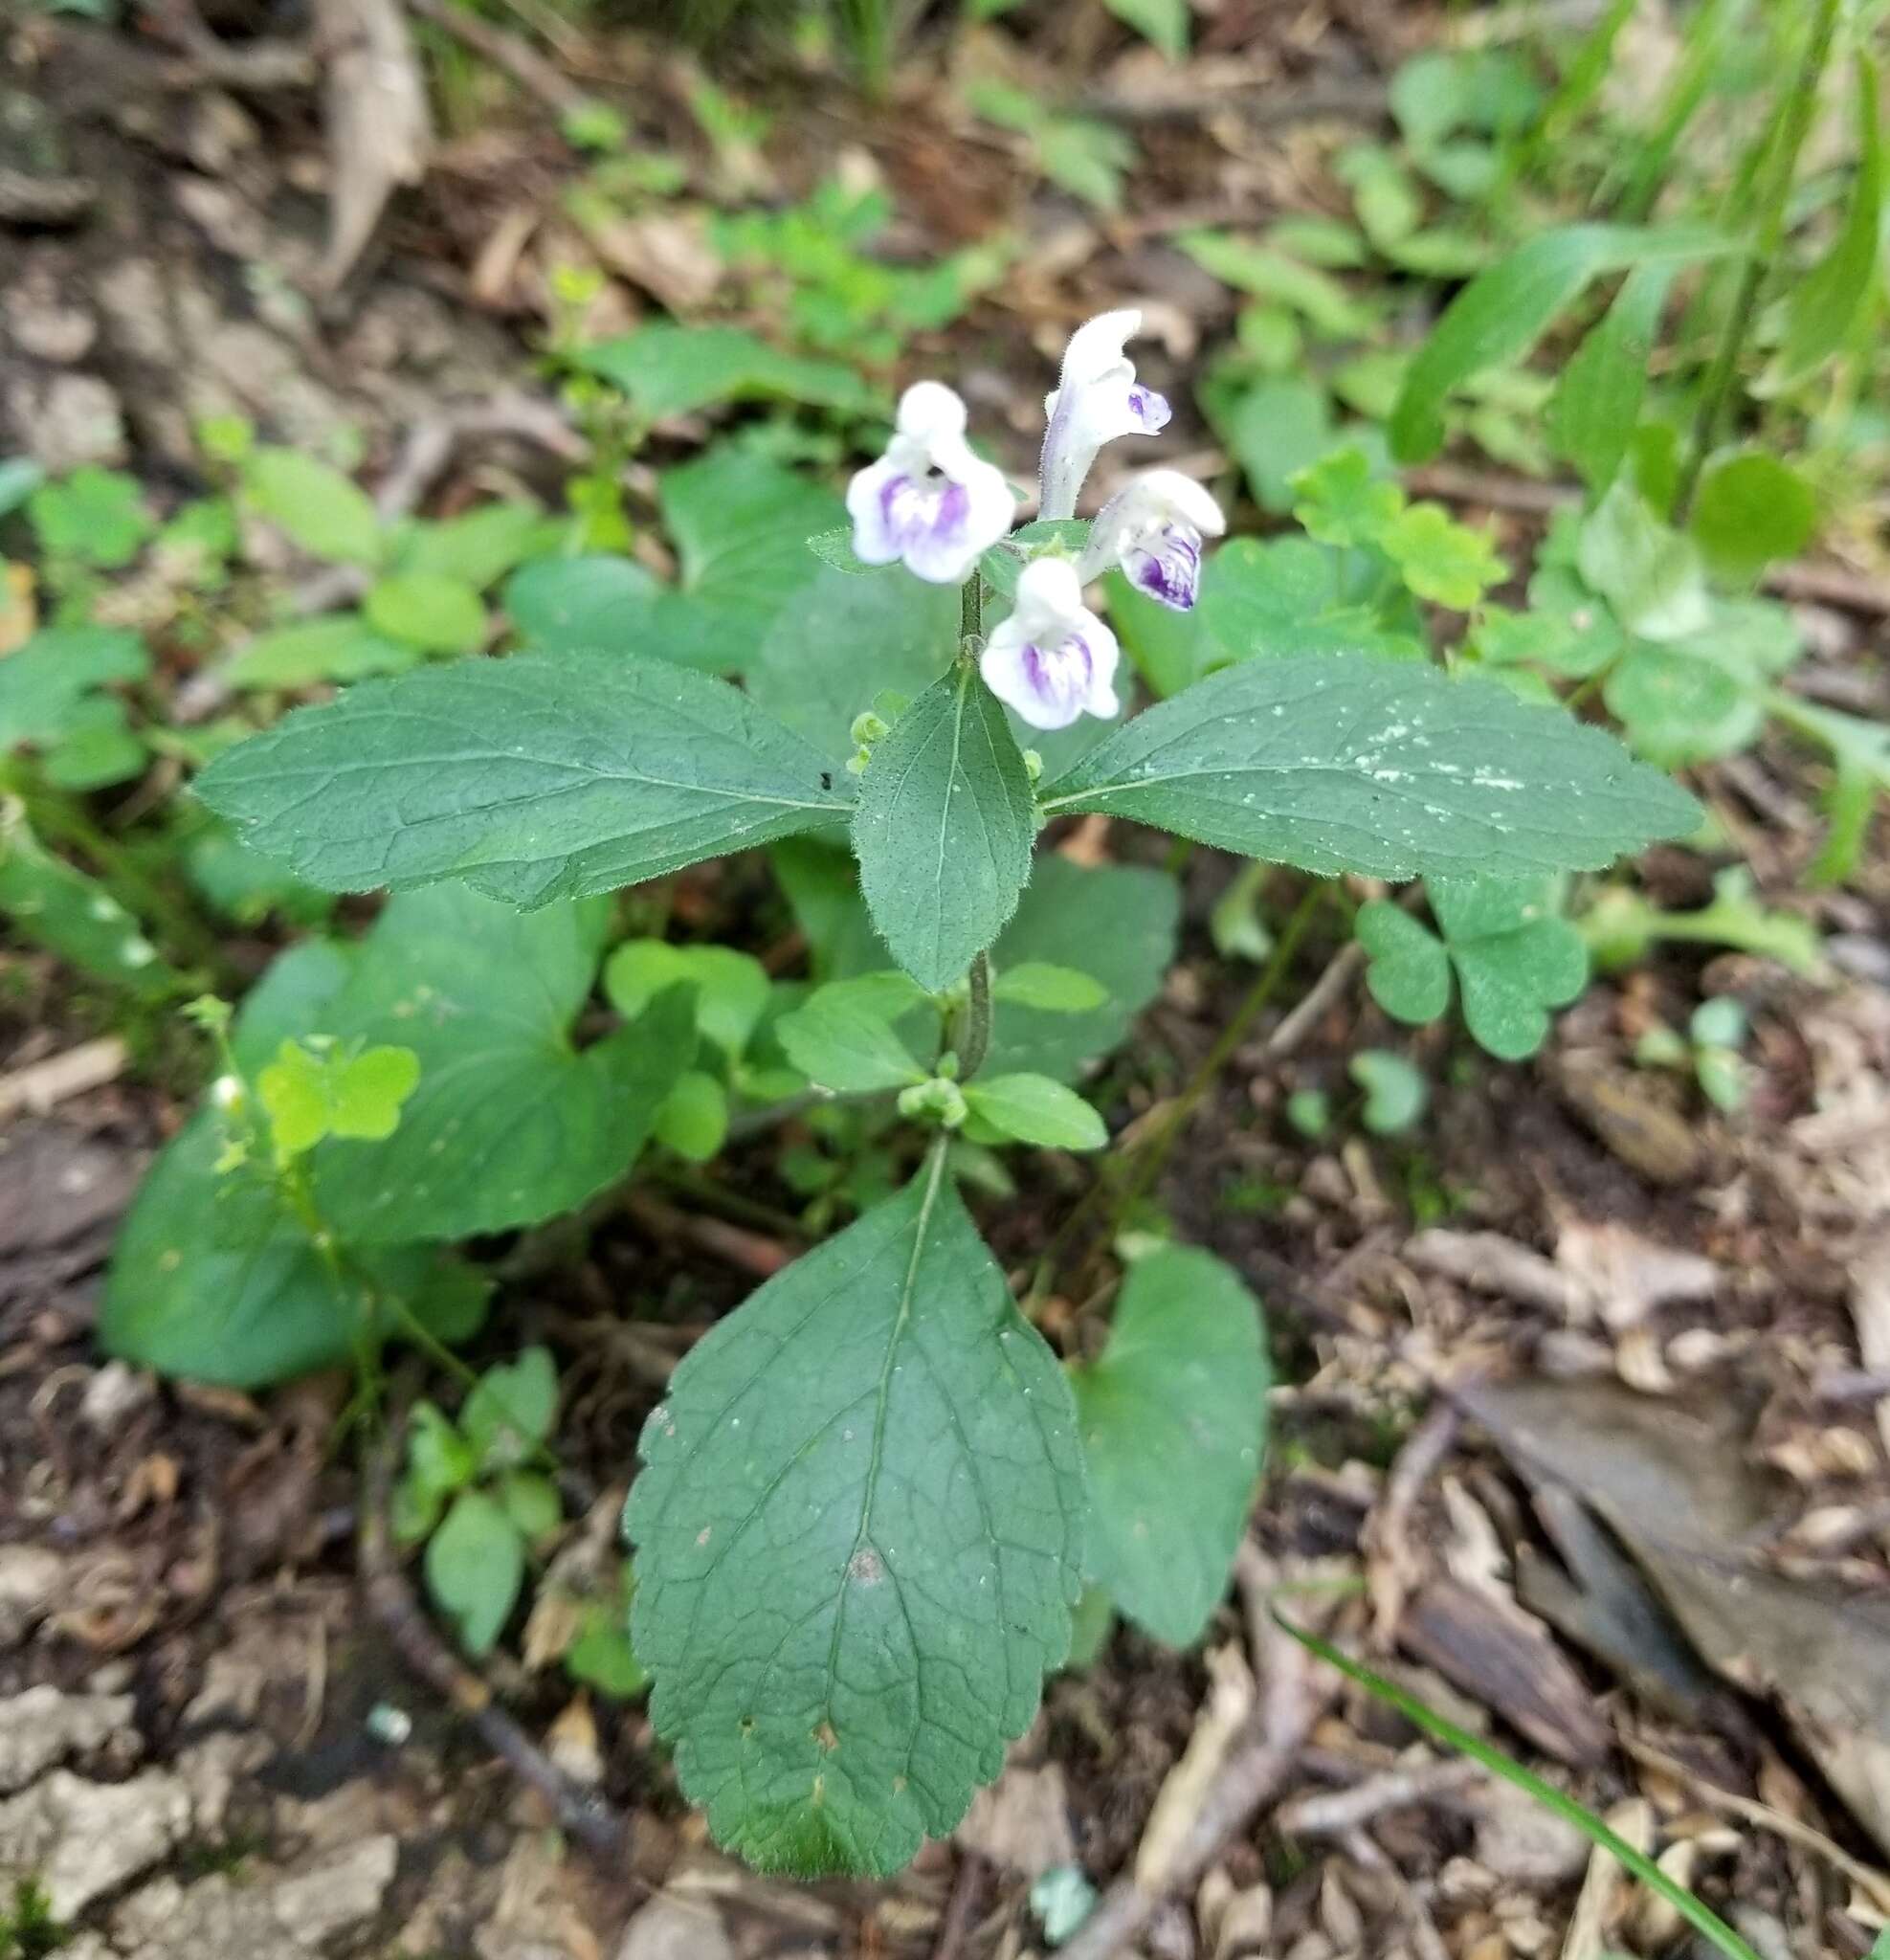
1514	958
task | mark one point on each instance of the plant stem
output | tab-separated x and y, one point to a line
1137	1170
972	613
1801	104
977	1040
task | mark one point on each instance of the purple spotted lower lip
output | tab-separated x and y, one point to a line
1171	572
1058	676
912	509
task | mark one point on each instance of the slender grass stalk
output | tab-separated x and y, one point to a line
1799	105
1698	1915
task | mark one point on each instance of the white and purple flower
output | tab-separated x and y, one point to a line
1154	528
929	500
1053	659
1097	399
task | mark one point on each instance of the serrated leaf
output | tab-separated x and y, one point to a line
842	1043
1502	312
474	1564
316	507
944	830
1035	1109
1342	502
531	778
1342	763
1450	563
1173	1417
1056	990
511	1409
1409	975
1002	565
1824	305
1596	404
835	547
858	1535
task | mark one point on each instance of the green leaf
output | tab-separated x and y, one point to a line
48	686
96	516
845	642
1450	563
1163	23
509	1122
1502	313
532	1504
316	507
731	987
340	646
336	1092
1596	404
590	601
667	370
511	1411
47	903
1173	1417
1751	509
693	1121
602	1654
477	547
215	1280
841	1042
1343	763
1343	502
474	1564
427	610
944	830
1056	990
1035	1109
1395	1094
532	778
19	477
1825	305
835	547
1409	971
1515	957
1277	429
1649	574
1003	564
1270	274
858	1531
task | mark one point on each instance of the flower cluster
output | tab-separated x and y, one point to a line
932	505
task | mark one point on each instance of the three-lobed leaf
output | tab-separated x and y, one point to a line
1173	1416
943	829
858	1533
1344	763
532	778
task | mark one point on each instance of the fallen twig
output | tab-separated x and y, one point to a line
1334	1813
379	128
521	61
40	1085
968	1888
584	1815
1295	1692
1389	1561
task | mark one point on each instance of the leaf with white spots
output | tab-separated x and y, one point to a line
1173	1417
859	1538
1343	762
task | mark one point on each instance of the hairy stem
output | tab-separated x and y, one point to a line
977	1037
1800	105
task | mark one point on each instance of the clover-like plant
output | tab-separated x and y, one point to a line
872	1497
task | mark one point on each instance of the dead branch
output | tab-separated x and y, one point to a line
1296	1691
379	127
1335	1814
519	60
40	1085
